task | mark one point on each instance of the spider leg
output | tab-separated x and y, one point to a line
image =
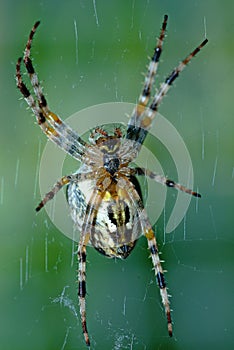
147	117
89	222
82	284
64	181
50	123
142	117
134	131
170	79
152	245
163	180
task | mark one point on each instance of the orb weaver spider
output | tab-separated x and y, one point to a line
112	215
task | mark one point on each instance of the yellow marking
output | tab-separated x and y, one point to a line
107	196
53	117
121	192
146	122
149	234
140	108
65	180
112	194
51	131
86	240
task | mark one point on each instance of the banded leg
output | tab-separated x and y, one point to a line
50	132
84	239
90	217
152	245
54	119
82	288
56	134
147	118
133	131
163	180
64	181
56	130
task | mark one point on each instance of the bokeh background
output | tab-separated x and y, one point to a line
91	52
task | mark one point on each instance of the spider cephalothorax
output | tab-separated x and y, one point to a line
104	194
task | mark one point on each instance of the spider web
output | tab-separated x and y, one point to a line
123	304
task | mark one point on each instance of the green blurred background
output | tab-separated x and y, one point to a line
38	293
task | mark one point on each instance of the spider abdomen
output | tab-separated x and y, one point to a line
115	226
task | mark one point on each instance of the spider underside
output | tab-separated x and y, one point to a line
110	215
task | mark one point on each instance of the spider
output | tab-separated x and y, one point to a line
111	216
